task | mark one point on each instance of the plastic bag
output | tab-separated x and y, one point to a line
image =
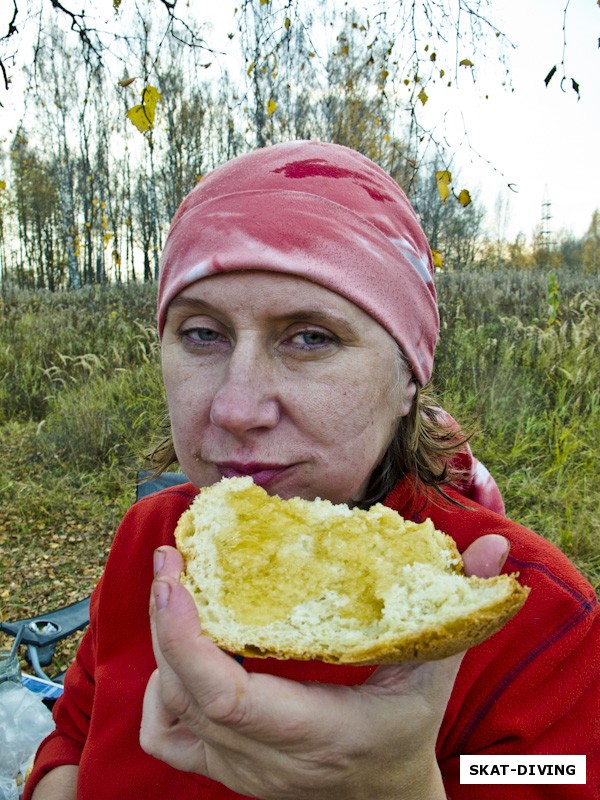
8	789
24	722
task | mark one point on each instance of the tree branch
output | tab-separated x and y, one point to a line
12	29
79	26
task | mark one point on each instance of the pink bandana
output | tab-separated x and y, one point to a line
321	212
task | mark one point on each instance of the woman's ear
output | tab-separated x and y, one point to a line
406	392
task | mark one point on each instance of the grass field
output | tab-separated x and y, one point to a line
81	401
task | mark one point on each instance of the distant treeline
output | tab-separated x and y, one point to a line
86	197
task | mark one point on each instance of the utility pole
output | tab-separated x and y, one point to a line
546	226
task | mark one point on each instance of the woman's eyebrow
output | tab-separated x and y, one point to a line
181	301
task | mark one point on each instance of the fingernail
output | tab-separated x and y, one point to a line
159	562
162	593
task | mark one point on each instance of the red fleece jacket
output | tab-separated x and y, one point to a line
533	688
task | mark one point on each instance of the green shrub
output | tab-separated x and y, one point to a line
110	419
532	386
50	342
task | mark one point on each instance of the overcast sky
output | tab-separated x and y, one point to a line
542	141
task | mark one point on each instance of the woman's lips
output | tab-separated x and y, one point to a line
262	474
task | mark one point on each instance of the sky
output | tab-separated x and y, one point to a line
540	140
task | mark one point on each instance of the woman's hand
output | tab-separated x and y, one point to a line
58	784
272	738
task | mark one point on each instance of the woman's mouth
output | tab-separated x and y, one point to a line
262	474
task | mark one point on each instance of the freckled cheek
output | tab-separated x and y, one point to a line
188	396
337	412
369	408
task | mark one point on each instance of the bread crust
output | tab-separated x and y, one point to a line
419	607
428	644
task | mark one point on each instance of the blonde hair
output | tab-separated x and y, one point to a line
423	447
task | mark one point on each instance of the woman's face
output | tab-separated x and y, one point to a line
275	377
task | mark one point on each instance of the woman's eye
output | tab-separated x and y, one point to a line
200	335
312	339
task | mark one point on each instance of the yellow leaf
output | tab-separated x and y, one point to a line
150	97
2	185
464	197
287	22
444	179
138	117
251	68
423	97
126	82
272	105
438	259
265	2
142	116
466	62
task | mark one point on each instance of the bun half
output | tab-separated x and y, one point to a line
310	580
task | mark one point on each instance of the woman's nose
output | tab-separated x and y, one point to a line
246	398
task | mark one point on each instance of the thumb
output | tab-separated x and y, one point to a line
485	557
189	664
173	618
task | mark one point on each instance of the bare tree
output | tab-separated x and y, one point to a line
36	197
94	38
358	78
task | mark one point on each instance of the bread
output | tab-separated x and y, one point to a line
313	580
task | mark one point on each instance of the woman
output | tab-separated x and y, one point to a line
298	321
